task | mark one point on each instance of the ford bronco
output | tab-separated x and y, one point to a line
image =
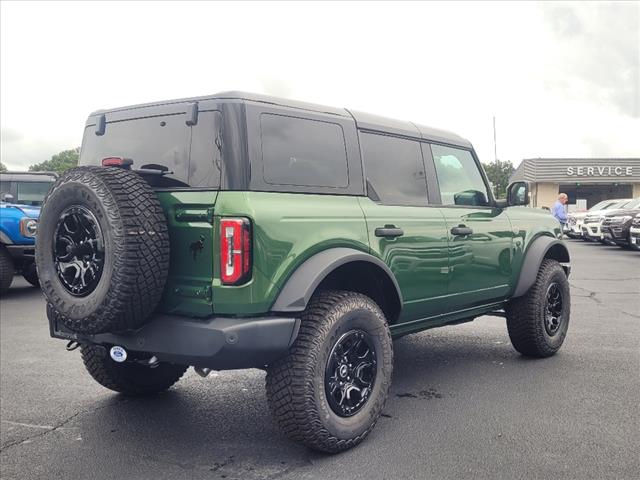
21	195
243	231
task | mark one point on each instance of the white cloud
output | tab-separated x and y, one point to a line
452	66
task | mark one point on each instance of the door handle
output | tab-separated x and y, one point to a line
461	230
390	231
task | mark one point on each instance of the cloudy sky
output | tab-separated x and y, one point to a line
562	79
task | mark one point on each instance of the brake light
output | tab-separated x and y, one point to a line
235	250
117	162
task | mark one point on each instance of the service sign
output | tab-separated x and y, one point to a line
600	171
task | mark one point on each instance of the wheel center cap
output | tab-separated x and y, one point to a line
343	371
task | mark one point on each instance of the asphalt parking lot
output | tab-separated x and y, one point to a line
463	404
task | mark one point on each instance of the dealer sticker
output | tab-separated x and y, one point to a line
118	354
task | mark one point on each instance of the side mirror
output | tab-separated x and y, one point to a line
518	194
7	197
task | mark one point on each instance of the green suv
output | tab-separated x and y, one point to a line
242	231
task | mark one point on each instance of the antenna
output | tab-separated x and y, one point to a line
495	145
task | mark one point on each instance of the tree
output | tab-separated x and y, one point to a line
498	173
3	167
59	162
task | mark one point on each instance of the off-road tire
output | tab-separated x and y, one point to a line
6	270
136	249
30	274
526	314
296	383
129	378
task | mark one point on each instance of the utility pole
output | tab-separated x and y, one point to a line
495	146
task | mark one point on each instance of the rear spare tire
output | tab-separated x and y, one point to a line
102	250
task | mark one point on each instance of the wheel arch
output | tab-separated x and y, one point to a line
543	247
346	269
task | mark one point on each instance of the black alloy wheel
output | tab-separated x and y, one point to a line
553	309
78	250
350	373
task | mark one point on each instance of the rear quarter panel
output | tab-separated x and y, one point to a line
288	228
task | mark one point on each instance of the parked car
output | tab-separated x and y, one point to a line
243	231
591	228
616	227
576	219
21	195
634	233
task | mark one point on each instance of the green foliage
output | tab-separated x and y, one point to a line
59	162
498	173
3	167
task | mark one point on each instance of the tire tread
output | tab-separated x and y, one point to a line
525	328
296	414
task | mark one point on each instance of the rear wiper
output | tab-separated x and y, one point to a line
153	169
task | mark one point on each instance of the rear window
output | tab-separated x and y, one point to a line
162	140
303	152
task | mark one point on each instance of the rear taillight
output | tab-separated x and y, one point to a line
235	250
117	162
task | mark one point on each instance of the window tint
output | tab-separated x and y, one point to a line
32	193
633	204
206	145
459	179
394	169
297	151
153	140
5	187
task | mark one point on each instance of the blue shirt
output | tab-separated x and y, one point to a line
558	212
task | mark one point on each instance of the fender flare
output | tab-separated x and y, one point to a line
533	259
299	288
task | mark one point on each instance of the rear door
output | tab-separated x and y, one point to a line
479	235
167	137
404	231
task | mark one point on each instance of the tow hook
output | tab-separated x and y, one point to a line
152	362
72	345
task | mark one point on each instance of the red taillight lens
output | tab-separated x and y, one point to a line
235	250
117	162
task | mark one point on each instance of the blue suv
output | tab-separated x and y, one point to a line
21	195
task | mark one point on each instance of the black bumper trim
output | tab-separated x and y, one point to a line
220	343
21	251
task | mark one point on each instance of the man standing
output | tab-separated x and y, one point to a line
558	209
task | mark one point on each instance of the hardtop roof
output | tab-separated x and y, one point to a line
28	176
363	120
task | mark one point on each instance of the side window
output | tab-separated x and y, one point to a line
5	187
303	152
394	169
206	151
459	178
32	193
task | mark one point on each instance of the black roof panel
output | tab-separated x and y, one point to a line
363	120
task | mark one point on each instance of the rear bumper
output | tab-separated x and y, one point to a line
220	343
